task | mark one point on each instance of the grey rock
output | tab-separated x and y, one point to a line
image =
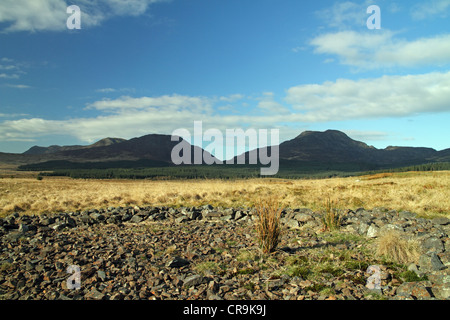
23	227
101	274
57	226
441	291
181	219
390	228
303	217
413	267
441	221
212	214
94	294
372	231
136	219
97	216
86	219
193	280
433	244
406	214
193	215
239	215
362	228
177	262
430	262
47	221
291	223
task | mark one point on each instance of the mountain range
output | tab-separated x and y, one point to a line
330	146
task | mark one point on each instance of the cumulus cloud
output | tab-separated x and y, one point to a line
368	50
340	100
18	86
345	14
51	15
388	96
428	9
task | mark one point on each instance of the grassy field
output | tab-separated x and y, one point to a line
425	193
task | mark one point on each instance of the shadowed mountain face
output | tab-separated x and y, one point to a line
55	148
154	147
334	146
330	146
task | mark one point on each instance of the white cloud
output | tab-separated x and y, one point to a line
9	76
340	100
368	50
428	9
106	90
232	97
18	86
388	96
268	104
367	135
51	15
344	15
175	103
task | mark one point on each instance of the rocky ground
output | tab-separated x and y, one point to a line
211	253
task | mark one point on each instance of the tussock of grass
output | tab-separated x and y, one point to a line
397	248
332	217
425	193
268	225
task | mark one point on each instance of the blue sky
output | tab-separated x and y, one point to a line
152	66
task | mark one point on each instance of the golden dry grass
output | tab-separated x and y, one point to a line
268	225
426	193
397	248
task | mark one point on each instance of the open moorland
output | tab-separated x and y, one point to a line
383	236
425	193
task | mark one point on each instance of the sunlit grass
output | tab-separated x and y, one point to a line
425	193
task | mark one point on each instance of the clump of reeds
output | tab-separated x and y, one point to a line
332	217
268	225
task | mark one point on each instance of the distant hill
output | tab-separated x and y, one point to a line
56	148
149	150
335	147
328	150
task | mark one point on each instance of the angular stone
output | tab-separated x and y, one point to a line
177	262
303	217
193	280
291	223
58	226
421	292
238	215
362	228
433	244
136	219
181	219
212	214
406	214
441	291
47	221
372	232
193	215
94	294
97	216
390	228
430	262
441	221
23	227
413	267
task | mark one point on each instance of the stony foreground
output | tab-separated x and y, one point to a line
211	253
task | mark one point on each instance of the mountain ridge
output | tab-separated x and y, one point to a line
330	146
